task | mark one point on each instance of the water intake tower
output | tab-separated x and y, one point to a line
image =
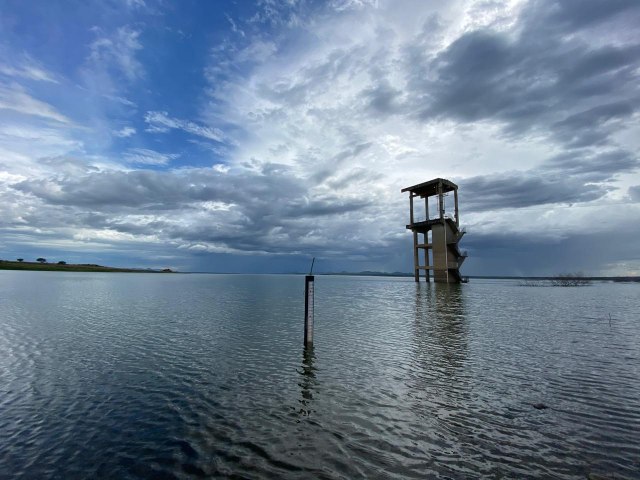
441	234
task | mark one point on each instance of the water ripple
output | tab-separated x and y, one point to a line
200	376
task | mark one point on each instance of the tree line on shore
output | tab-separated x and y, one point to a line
41	263
42	260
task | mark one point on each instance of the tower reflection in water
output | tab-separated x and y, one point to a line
440	377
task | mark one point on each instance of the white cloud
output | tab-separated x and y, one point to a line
15	97
221	168
121	100
161	122
135	3
29	70
125	132
118	51
341	5
21	145
234	26
144	156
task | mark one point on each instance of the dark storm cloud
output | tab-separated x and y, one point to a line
522	254
383	98
470	81
268	210
557	74
162	190
593	167
540	78
273	190
576	14
484	75
523	189
572	177
326	206
591	127
634	193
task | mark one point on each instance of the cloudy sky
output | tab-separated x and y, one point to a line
233	136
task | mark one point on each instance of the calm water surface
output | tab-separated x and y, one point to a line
187	376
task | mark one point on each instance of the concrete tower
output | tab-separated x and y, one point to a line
441	233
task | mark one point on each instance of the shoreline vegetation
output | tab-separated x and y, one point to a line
72	267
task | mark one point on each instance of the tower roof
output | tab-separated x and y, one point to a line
430	188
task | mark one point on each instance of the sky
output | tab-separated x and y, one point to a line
238	136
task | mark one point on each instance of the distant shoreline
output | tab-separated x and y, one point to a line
487	277
90	267
410	275
72	267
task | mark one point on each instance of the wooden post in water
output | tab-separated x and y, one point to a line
308	307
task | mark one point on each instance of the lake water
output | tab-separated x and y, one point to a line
187	376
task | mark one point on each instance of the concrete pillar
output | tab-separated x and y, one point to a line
427	274
411	208
439	241
455	196
416	258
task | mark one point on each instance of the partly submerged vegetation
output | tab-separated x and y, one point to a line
570	280
62	266
561	280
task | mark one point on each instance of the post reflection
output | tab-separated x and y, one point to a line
307	382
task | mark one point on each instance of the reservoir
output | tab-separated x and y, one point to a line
131	376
